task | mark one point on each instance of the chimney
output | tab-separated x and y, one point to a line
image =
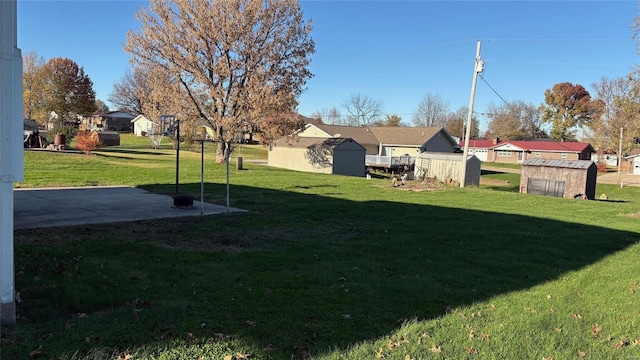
496	141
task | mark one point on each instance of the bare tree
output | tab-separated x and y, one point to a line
432	111
127	94
456	121
362	110
328	116
516	120
238	62
621	97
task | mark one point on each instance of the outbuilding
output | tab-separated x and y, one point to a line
342	156
443	166
560	178
142	125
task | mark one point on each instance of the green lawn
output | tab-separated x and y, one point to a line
326	267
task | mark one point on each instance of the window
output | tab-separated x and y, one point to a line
537	153
563	155
504	153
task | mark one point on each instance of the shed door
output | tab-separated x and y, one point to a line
636	166
545	187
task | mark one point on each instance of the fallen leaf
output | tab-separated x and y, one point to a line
36	352
595	330
228	357
553	311
548	296
379	354
472	351
576	316
435	349
485	337
408	357
190	336
582	354
548	358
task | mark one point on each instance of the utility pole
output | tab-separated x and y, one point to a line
620	156
478	68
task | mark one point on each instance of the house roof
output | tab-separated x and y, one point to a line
570	164
394	135
635	152
363	135
312	142
388	135
481	143
547	146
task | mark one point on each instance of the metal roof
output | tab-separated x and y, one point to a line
570	164
444	156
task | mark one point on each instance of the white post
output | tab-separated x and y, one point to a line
620	156
11	152
478	67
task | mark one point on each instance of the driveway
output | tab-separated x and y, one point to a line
48	207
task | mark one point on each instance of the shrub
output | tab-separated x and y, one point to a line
88	141
602	167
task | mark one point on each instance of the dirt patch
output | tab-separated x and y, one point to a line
494	182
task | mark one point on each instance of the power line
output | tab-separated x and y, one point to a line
494	90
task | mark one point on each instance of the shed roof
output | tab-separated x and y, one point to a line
445	156
569	164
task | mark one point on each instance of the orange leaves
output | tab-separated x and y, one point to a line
595	330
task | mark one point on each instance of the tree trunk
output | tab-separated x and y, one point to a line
222	150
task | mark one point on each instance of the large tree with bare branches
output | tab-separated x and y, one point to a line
238	62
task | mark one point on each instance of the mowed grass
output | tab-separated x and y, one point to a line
325	267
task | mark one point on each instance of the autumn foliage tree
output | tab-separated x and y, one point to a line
237	62
68	90
88	141
568	106
514	121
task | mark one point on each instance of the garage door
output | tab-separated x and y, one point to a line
545	187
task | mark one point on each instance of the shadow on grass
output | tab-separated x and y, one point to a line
307	271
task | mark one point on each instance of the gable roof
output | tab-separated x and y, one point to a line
481	143
313	142
388	135
547	146
569	164
635	152
362	135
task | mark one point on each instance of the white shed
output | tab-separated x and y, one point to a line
142	124
443	166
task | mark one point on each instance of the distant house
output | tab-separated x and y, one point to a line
516	151
388	140
633	160
342	156
480	147
142	125
559	178
109	121
387	147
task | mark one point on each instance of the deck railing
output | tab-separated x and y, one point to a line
389	161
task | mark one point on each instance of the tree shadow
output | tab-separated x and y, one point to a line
338	272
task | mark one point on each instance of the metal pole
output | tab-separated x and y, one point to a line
202	177
228	150
177	155
477	69
620	156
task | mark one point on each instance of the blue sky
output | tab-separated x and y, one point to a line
395	52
